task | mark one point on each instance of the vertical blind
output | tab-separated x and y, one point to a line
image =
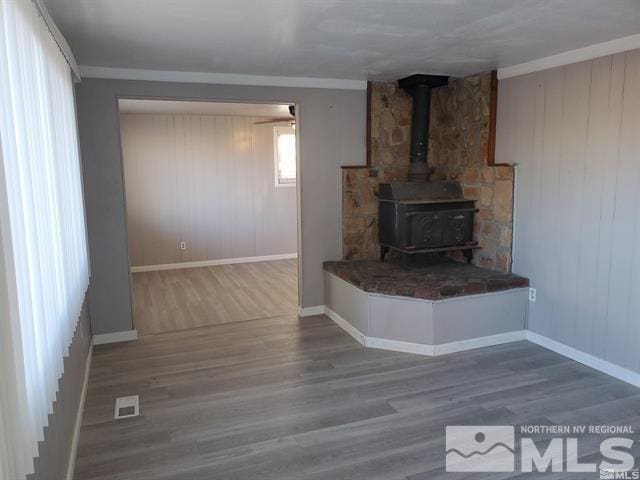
43	262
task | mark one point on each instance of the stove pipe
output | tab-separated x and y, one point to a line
419	87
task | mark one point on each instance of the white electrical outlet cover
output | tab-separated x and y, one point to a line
532	294
127	407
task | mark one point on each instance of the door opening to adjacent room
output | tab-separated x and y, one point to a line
211	200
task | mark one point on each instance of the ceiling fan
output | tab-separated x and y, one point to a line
292	121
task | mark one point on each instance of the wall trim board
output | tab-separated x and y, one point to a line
493	116
572	56
596	363
311	311
73	454
90	71
400	346
58	37
445	348
115	337
514	213
210	263
346	326
480	342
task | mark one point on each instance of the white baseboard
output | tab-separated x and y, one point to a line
310	311
71	466
480	342
115	337
212	263
596	363
445	348
421	348
346	326
399	346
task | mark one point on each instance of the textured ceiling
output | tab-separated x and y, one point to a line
351	39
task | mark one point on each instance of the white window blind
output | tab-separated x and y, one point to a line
43	264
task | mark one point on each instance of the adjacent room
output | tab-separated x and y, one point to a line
319	240
211	201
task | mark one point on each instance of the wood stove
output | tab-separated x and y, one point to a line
421	216
425	217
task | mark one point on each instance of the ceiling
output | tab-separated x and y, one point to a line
203	108
347	39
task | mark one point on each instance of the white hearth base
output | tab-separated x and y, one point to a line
426	327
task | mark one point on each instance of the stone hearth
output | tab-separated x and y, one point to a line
441	308
445	278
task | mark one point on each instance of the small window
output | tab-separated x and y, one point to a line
284	146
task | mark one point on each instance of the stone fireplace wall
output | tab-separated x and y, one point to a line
388	157
458	149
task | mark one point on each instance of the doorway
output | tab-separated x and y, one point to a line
212	211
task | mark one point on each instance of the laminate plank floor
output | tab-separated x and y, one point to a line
298	399
169	300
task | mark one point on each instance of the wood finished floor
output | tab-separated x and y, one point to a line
290	399
169	300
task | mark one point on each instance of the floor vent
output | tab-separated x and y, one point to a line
127	407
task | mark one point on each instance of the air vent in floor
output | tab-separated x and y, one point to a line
127	407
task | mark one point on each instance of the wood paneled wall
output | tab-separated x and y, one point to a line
206	180
574	131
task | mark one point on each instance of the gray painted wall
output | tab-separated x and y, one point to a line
54	451
207	180
575	133
331	127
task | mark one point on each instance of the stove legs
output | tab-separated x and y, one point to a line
468	254
383	252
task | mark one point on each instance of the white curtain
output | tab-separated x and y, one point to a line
43	264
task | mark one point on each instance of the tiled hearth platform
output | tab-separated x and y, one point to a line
439	308
443	279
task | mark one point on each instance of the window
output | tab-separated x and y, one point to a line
284	146
43	252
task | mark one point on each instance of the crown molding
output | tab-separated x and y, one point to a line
64	47
572	56
88	71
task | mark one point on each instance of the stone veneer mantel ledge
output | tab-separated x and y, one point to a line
438	281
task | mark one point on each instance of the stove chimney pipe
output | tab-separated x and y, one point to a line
419	87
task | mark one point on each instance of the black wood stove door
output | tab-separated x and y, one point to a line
425	230
457	228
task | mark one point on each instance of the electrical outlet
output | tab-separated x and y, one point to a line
532	294
183	245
